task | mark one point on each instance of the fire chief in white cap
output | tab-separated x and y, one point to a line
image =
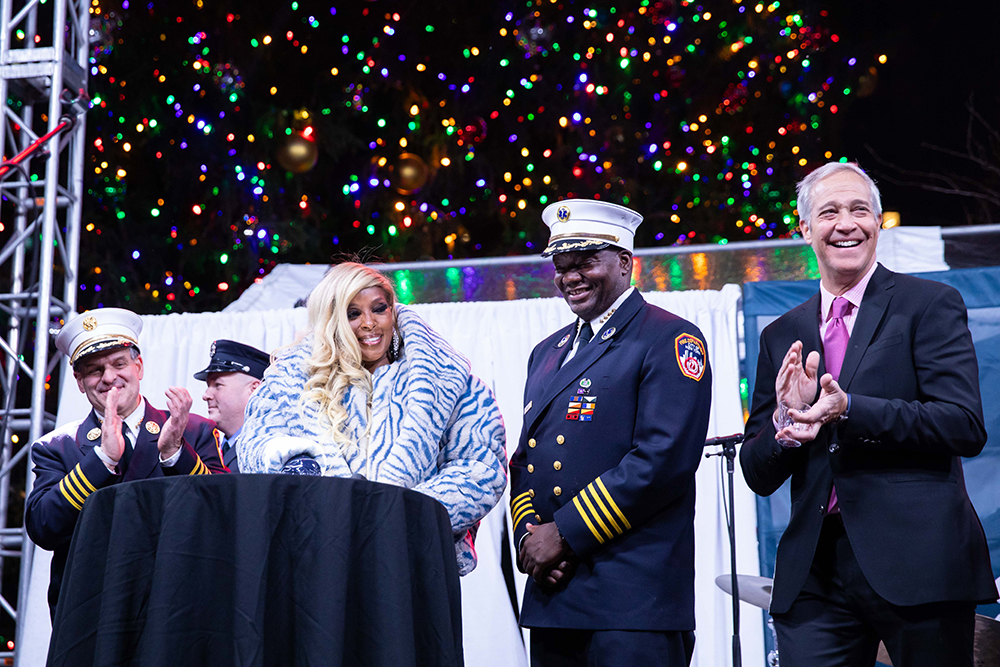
123	437
616	410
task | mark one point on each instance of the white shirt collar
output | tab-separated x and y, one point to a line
134	419
600	320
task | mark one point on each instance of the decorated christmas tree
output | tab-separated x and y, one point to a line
227	136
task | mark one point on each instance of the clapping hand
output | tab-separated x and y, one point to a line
179	404
795	385
831	404
112	441
796	380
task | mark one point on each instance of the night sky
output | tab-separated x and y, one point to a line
939	54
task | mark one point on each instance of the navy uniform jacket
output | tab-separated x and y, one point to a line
609	449
231	462
67	471
913	377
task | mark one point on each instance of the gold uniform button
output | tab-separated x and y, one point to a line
531	442
560	440
538	518
557	490
531	493
531	468
557	465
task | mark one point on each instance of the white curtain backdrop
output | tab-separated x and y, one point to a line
497	337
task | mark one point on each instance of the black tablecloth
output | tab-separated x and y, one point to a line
259	570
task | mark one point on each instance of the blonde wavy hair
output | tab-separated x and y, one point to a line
335	363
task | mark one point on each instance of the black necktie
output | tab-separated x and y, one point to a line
126	454
586	333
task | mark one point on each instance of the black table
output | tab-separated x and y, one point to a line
259	570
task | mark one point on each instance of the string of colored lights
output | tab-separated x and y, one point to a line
225	137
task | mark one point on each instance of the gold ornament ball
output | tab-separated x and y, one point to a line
409	173
298	154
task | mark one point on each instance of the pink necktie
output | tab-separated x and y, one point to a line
834	349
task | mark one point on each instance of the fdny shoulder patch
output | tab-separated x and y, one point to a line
690	356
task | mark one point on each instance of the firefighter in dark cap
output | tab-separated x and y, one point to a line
234	372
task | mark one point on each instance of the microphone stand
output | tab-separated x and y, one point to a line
728	444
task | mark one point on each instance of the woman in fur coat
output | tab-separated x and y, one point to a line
369	390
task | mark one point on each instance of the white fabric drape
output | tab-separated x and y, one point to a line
498	337
911	249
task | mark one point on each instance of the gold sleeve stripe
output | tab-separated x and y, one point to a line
597	499
199	468
516	506
593	512
611	502
67	496
203	470
526	494
586	519
71	487
87	485
526	512
73	484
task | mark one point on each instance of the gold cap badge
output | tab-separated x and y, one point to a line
89	323
153	427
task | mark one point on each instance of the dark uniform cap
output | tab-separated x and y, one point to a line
228	356
100	330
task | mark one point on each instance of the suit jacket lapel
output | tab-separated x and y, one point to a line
547	365
585	357
870	315
807	330
146	456
86	426
230	456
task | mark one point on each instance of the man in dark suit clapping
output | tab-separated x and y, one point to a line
883	542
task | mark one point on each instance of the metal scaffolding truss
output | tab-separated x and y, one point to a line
43	81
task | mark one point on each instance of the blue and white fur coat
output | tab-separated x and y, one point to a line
436	428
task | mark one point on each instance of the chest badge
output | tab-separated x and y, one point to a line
585	383
93	434
690	356
153	427
608	334
562	343
527	407
581	408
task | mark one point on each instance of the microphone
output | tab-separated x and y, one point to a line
723	440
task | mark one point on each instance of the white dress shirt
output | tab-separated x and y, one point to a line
596	323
